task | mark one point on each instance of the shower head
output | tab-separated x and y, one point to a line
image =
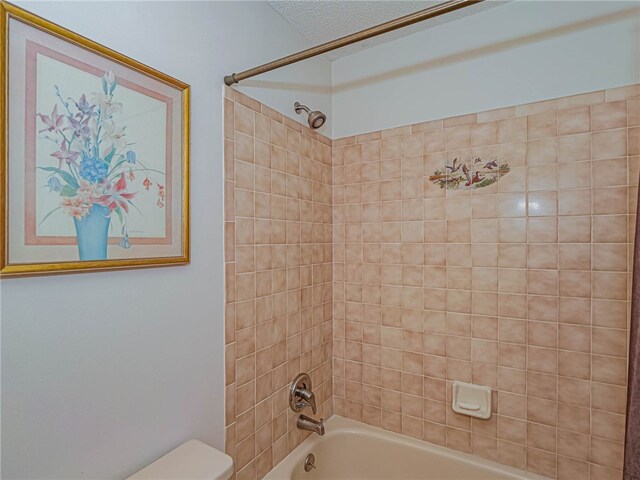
316	118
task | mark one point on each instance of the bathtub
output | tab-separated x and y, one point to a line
351	450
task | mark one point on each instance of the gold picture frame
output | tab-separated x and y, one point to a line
99	177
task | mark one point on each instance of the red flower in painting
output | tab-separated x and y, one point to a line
147	183
115	196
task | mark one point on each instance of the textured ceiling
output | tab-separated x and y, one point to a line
322	20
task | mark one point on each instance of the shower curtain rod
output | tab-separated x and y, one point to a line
389	26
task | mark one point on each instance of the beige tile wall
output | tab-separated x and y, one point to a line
521	285
278	261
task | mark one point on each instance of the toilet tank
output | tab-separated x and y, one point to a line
193	460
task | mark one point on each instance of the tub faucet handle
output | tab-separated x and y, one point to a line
301	394
309	397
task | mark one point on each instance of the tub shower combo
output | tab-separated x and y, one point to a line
456	321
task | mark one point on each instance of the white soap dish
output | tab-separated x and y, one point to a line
472	400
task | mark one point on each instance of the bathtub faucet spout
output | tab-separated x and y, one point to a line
308	423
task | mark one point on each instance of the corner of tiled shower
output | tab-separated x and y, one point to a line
278	267
347	259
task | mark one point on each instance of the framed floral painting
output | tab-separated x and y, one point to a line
95	154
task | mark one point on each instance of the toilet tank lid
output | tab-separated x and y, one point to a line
193	460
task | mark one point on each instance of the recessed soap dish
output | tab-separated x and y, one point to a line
472	400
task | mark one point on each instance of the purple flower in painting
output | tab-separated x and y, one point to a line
53	122
80	128
84	107
65	155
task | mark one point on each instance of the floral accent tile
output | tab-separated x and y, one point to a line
468	174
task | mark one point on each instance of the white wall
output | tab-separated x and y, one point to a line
521	52
104	372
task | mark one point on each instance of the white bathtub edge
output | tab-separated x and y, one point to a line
337	424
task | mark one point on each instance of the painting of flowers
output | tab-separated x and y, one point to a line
97	156
96	167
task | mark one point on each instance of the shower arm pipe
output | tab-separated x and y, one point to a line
419	16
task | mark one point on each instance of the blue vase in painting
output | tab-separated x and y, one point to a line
93	232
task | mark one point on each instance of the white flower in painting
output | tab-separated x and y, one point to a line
106	104
109	80
114	136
